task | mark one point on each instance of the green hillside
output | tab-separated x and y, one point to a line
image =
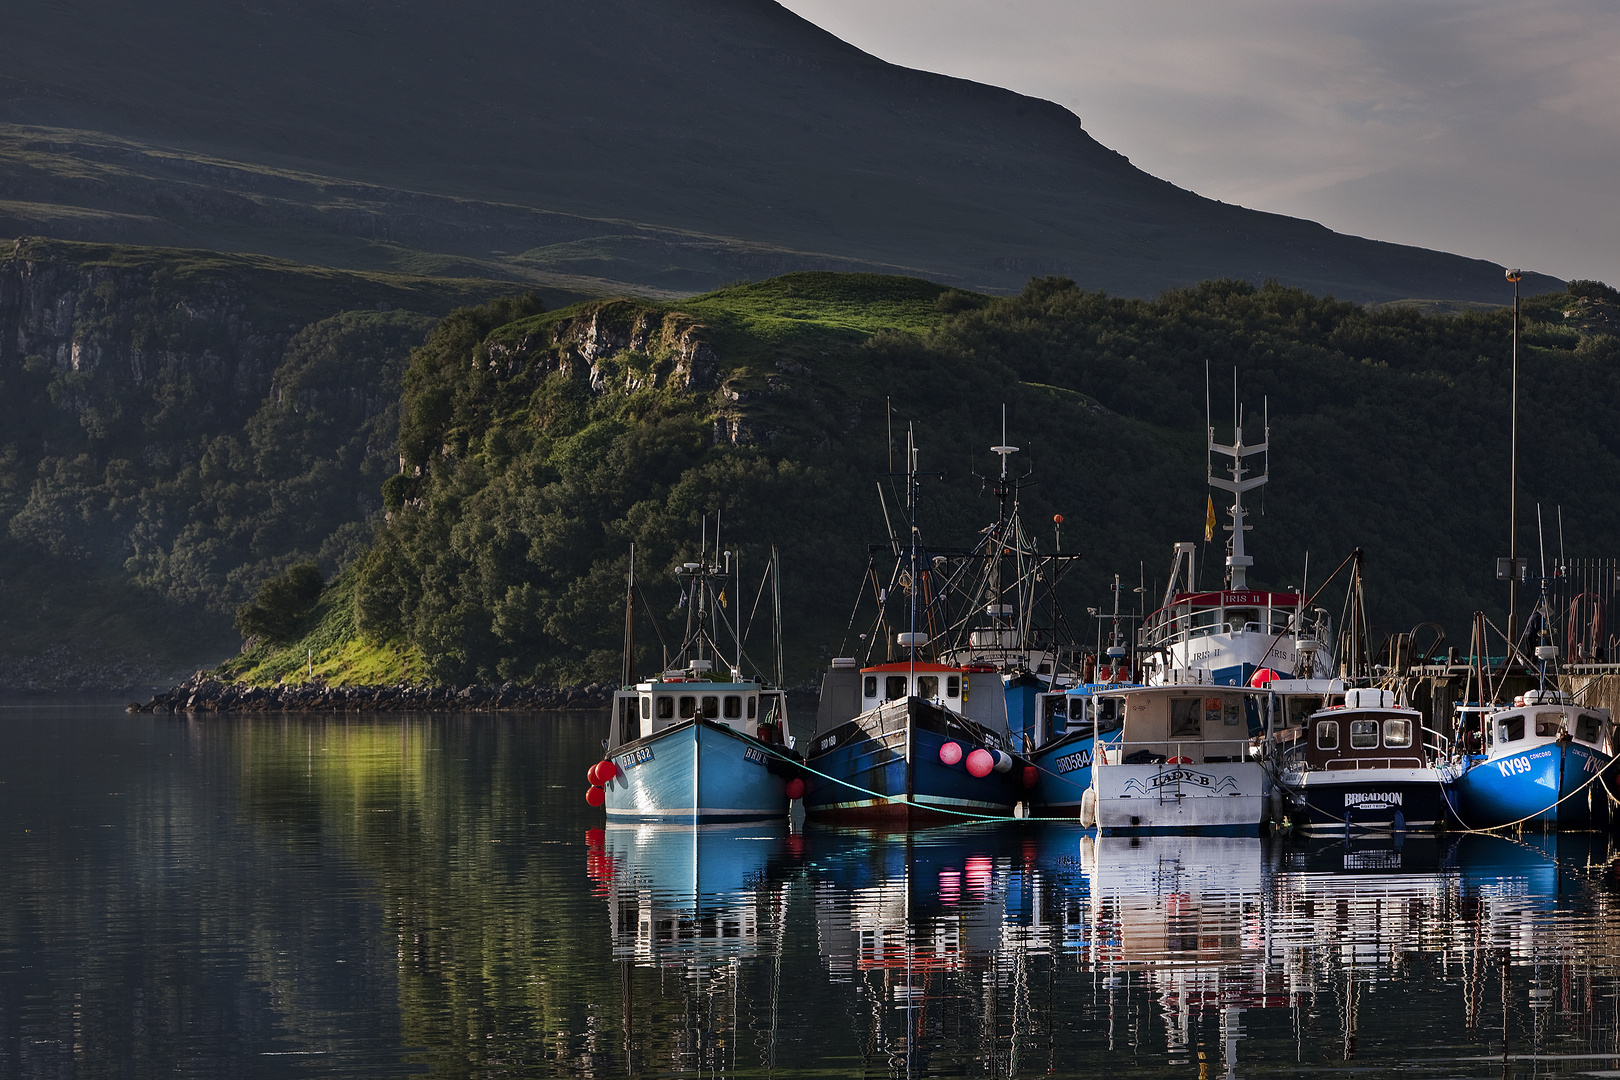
176	426
535	451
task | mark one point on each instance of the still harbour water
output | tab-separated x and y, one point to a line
312	897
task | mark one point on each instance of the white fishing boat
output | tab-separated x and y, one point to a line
1183	762
1234	632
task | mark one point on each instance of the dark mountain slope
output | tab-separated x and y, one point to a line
669	144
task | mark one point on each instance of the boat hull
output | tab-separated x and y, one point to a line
696	771
1220	799
1064	777
1379	800
885	764
1550	784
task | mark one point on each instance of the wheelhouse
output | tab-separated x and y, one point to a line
1078	713
1185	724
1543	716
940	683
1365	734
678	697
1194	615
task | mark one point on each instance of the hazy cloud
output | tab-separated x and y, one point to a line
1483	127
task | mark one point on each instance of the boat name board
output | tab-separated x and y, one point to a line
634	757
1179	777
1372	800
754	755
1070	762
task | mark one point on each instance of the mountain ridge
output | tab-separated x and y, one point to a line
733	129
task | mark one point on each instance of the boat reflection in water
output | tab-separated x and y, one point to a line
695	902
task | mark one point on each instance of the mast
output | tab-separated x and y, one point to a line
628	672
1239	561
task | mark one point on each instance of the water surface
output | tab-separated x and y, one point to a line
302	897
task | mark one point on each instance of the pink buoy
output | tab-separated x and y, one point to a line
950	753
980	762
795	788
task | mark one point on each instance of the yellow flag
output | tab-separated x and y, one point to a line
1209	521
722	598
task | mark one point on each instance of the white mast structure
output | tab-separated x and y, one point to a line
1238	561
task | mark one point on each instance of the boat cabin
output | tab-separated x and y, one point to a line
1542	716
1190	725
1191	615
1078	712
940	683
679	696
1369	731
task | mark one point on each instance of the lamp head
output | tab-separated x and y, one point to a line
1515	275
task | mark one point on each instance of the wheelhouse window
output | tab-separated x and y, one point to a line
894	687
1510	730
753	704
688	706
953	686
1397	733
1363	734
1109	712
1327	734
1589	728
1187	715
870	688
646	708
733	707
711	706
1549	725
928	686
666	707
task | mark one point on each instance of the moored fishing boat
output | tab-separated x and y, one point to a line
1070	726
1235	631
1544	760
913	736
1182	762
1366	766
687	744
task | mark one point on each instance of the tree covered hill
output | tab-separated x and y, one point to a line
535	451
176	426
653	146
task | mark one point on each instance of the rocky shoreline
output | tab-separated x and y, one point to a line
202	693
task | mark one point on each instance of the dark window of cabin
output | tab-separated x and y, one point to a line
688	707
1589	728
953	686
1510	730
928	686
711	707
894	687
646	708
1109	711
1549	725
1327	734
666	707
1363	734
752	705
733	707
1397	733
1187	715
870	689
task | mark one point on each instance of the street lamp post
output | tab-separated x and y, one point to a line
1513	481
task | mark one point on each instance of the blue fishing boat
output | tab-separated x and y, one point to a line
1544	762
1069	728
688	745
913	736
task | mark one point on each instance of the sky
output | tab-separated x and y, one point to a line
1488	128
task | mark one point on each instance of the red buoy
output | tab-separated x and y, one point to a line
595	796
1032	776
950	753
981	762
795	788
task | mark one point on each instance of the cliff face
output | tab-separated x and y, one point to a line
175	427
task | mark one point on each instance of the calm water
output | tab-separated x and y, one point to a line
302	898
